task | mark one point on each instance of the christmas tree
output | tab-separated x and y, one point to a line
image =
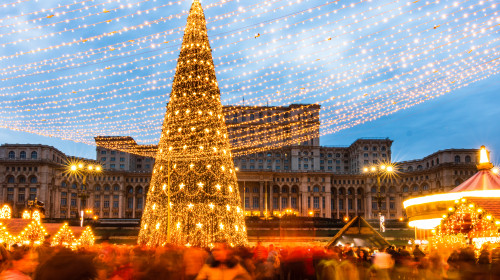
193	198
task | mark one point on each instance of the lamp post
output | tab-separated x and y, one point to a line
377	171
82	170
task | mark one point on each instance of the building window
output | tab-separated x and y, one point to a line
97	204
275	203
10	179
457	159
374	205
247	202
139	203
103	159
12	155
103	152
22	179
22	154
73	202
323	202
255	203
341	204
294	202
316	202
34	155
359	204
20	197
284	202
349	204
130	203
33	180
63	202
106	203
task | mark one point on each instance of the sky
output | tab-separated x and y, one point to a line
423	73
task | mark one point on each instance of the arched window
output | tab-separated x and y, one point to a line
22	154
21	179
73	186
107	188
405	189
467	159
116	188
138	190
315	189
392	189
295	190
382	189
130	190
350	191
374	190
284	189
425	187
10	179
276	189
360	191
410	168
34	155
63	185
457	159
12	154
458	182
415	188
419	167
33	180
341	191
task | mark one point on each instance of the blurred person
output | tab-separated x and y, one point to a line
123	268
363	264
483	263
222	266
67	265
417	253
495	263
194	259
383	263
4	258
22	264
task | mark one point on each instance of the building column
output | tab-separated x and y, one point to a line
304	204
399	205
328	205
346	205
368	208
133	205
120	205
337	199
261	197
101	205
355	204
270	206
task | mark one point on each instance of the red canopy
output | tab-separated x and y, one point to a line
481	181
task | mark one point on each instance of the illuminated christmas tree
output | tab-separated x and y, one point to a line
194	171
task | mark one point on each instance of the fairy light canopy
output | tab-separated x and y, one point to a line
427	212
104	67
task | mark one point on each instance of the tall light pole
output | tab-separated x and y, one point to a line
378	171
80	169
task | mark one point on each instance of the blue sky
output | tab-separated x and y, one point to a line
422	73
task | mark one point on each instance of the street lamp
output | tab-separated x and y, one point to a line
81	169
382	170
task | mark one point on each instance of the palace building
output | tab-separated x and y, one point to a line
301	177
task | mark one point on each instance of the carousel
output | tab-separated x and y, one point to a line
468	214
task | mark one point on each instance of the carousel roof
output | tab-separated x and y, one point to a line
482	181
491	206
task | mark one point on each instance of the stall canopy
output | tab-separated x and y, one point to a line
359	233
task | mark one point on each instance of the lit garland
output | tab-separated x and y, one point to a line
464	223
64	237
194	199
87	238
34	234
6	212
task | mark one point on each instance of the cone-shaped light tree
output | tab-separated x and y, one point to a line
193	198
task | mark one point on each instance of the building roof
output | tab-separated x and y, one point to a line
359	232
481	181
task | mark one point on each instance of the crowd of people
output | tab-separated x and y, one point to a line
123	262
